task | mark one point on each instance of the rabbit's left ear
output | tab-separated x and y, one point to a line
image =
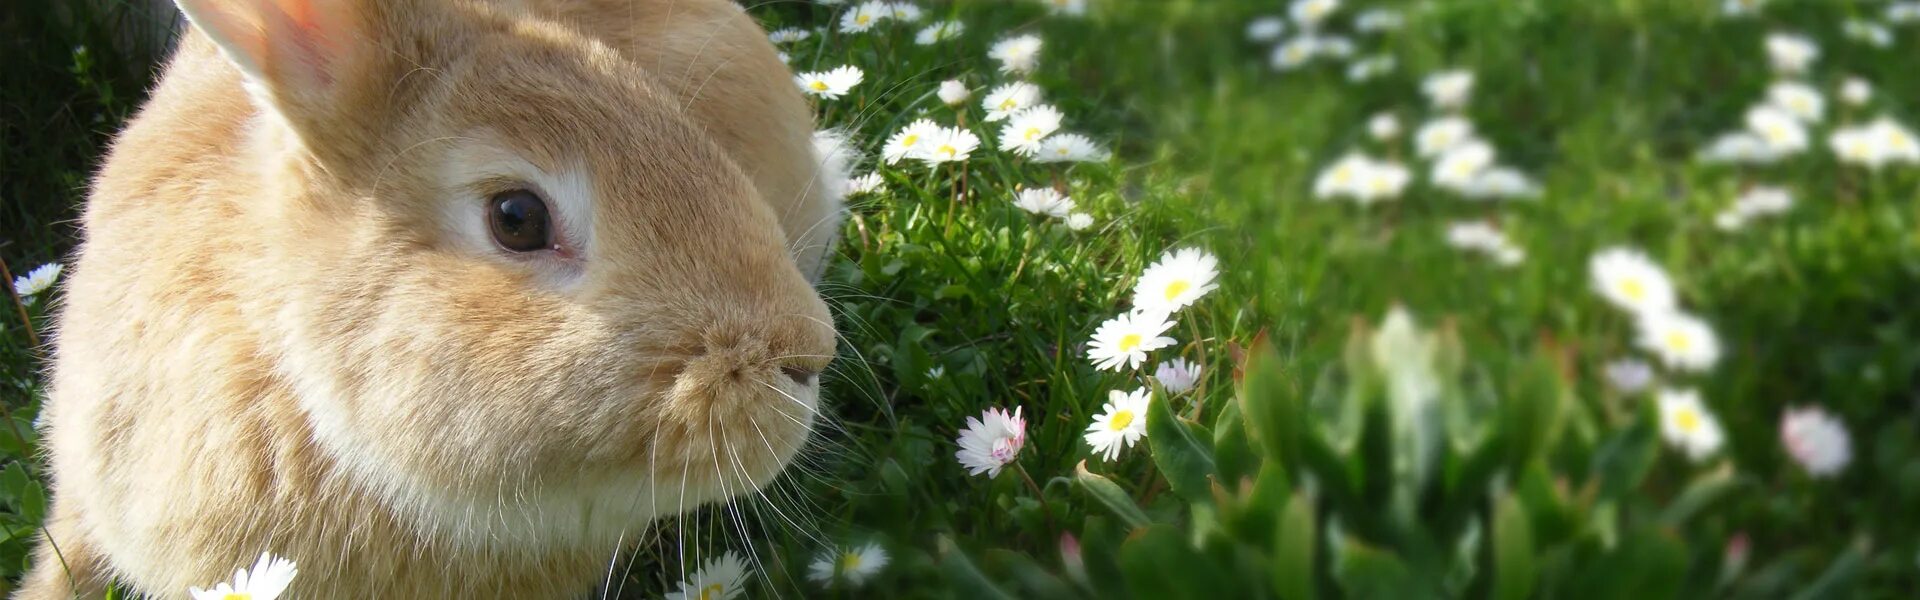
288	48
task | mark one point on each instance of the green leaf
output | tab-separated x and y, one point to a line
1367	572
1624	459
1839	577
1028	574
33	503
1513	569
1183	458
1269	408
1109	494
1159	563
967	579
1700	493
1294	546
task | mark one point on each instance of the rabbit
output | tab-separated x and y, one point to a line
435	298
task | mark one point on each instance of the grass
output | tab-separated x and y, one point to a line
1604	102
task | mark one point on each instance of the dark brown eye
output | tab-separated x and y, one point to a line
520	221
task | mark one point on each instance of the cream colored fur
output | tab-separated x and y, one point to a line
287	329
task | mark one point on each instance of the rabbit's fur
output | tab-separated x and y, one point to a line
288	329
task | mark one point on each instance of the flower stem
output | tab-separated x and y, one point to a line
1044	507
6	279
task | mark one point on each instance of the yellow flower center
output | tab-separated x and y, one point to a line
1776	133
849	562
1343	175
237	596
818	86
713	592
909	141
862	19
947	151
1176	288
1633	290
1121	419
1687	420
1031	134
1008	104
1678	341
1129	341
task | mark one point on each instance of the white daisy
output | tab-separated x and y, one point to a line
909	140
784	57
1079	221
789	35
1789	53
1334	46
1781	130
1897	143
1068	147
1442	134
1457	168
1369	68
1875	144
1686	423
1856	91
1741	8
861	18
949	144
1500	182
1382	180
1177	376
1757	202
1010	98
268	578
1799	100
1631	281
1072	8
852	565
865	184
1448	90
1266	29
1628	375
830	84
1903	12
1293	53
939	32
1176	281
1378	20
1310	13
1124	341
1121	422
1740	148
1024	131
40	279
1484	238
952	92
992	441
722	578
1384	127
904	11
1681	341
1017	54
1871	33
1816	440
1044	201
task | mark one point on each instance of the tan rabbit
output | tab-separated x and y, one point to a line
437	298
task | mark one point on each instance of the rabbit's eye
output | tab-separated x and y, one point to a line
520	221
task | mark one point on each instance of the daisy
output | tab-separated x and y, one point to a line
904	11
1176	281
1686	424
939	32
1442	134
1741	8
1856	91
1500	182
1448	90
1293	53
1370	67
1457	168
909	140
863	17
40	279
989	444
1382	180
789	35
1679	340
865	184
830	84
1856	145
952	92
1079	221
1631	281
1475	235
1177	376
1629	376
1757	202
1741	148
852	565
269	578
1121	422
1124	341
949	144
1068	147
1023	132
1072	8
1266	29
1334	46
1018	54
1010	98
1781	130
1045	202
1897	143
1873	34
1903	12
1378	20
722	578
1310	13
1384	127
1791	53
1816	440
1798	99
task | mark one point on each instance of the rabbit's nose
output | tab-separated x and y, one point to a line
800	374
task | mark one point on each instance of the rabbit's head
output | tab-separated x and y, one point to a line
516	289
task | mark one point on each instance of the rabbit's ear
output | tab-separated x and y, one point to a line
293	52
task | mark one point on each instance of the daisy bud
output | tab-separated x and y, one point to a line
953	92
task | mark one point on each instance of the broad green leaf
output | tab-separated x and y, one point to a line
1183	458
1109	494
1294	548
1513	570
1159	563
964	576
1703	491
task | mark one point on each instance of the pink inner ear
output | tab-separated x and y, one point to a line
309	43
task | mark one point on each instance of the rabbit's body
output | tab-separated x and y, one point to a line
285	331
